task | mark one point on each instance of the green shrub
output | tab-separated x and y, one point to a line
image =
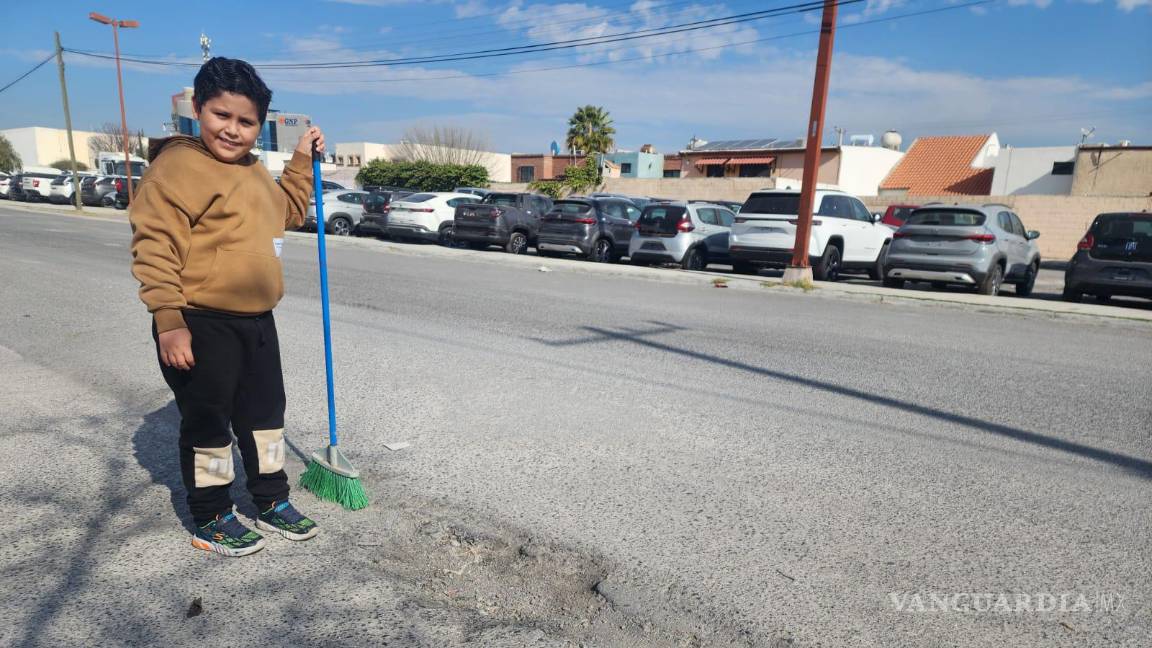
422	176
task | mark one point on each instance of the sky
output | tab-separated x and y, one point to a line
1036	72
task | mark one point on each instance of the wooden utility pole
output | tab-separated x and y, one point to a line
68	125
800	269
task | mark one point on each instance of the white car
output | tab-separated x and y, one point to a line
37	182
61	188
845	237
426	216
343	210
5	183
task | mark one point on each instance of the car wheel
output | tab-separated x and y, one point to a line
517	243
1071	295
107	201
445	236
829	267
340	226
1024	288
1103	298
601	251
743	267
876	272
694	260
991	283
893	283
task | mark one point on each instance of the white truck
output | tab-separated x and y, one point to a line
845	236
113	164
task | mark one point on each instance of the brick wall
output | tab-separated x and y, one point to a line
1061	220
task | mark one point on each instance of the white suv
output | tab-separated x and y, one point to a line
845	236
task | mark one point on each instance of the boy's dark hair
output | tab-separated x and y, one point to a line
219	75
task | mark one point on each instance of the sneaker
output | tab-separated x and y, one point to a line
228	537
283	518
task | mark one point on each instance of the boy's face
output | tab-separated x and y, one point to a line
229	125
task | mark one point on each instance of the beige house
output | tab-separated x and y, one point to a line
1113	171
40	146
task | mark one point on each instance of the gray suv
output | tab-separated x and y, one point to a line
596	228
690	234
983	246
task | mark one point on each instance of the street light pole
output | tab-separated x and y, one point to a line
116	25
800	268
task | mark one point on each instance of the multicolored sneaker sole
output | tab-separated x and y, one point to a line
283	518
227	537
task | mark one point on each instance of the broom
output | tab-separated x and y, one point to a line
329	474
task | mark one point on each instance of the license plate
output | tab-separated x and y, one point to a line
769	230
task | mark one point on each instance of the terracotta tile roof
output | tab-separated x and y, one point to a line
935	166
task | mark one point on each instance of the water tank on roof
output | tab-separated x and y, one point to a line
891	140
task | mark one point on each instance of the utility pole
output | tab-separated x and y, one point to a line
800	270
68	125
116	25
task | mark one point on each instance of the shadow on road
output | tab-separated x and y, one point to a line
1140	467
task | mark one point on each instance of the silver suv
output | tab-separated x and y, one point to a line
690	234
983	246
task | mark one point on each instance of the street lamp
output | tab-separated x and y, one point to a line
116	26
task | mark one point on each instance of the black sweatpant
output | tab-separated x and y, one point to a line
237	382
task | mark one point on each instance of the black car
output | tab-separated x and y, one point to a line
16	187
510	220
376	207
596	228
1113	258
120	198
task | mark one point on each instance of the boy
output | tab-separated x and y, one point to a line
208	225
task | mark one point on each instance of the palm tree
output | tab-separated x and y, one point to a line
590	131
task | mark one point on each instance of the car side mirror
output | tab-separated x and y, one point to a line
1032	235
876	217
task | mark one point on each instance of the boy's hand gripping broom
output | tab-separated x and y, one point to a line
329	474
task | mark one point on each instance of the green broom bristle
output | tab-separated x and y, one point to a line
327	485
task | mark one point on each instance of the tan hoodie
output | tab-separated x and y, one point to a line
208	234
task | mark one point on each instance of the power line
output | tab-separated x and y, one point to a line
862	23
520	50
23	76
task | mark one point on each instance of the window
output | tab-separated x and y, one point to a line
714	171
613	209
860	211
755	170
419	198
625	167
456	202
835	207
1017	226
726	217
946	218
1063	168
631	213
502	199
768	203
707	215
526	173
1004	220
671	173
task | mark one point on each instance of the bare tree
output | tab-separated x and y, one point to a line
110	139
444	145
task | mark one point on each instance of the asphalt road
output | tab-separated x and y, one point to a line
595	460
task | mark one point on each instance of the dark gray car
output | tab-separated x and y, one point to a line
1113	258
596	228
510	220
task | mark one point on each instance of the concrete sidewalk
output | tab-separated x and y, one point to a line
1137	311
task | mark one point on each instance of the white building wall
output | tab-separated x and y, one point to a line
1028	171
863	168
39	146
986	158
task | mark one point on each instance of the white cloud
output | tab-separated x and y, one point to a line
1039	4
1132	5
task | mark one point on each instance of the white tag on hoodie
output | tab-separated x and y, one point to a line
278	245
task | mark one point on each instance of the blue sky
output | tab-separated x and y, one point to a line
1034	71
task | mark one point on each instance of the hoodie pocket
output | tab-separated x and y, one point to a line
241	281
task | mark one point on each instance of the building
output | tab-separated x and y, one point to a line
855	169
1032	171
944	166
357	154
280	132
642	164
1120	170
40	146
529	167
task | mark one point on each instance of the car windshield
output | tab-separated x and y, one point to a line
503	200
901	213
772	203
946	218
661	218
420	197
571	207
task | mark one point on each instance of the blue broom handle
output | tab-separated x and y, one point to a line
321	225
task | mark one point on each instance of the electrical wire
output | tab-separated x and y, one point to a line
519	50
23	76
